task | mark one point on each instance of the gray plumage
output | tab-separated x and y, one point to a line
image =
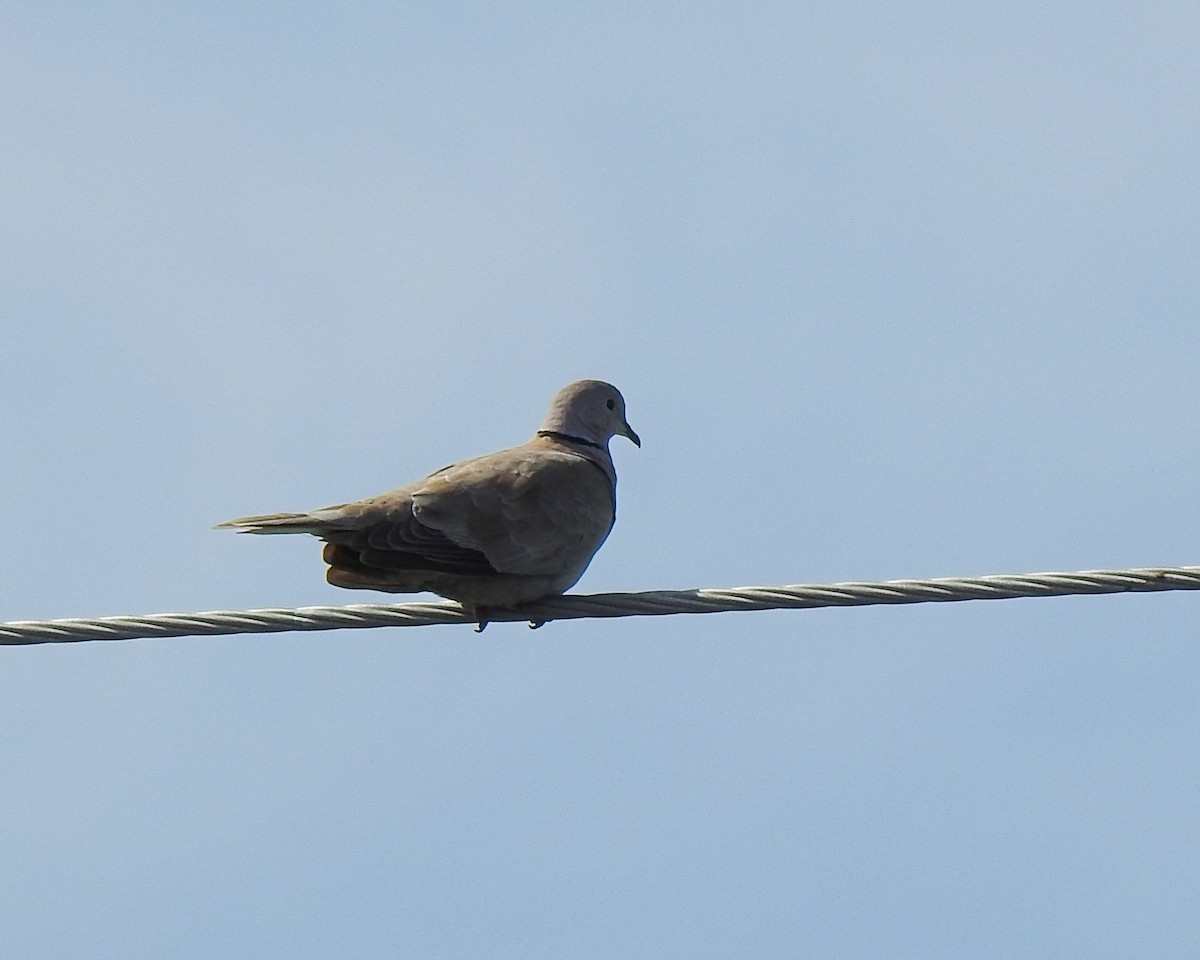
495	531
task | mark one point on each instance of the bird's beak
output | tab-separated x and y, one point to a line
628	432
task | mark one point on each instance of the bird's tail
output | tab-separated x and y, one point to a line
275	523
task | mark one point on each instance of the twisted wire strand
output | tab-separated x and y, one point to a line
603	605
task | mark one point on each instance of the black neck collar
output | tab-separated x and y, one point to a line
567	438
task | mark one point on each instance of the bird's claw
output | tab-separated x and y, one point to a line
482	615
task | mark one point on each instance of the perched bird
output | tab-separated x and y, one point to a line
496	531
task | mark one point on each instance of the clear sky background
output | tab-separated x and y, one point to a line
891	290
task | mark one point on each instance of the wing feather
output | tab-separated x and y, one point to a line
529	511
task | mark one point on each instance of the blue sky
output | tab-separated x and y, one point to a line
891	291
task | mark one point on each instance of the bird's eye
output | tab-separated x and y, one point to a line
610	403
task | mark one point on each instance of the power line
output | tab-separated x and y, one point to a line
603	605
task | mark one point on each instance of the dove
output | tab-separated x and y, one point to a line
495	531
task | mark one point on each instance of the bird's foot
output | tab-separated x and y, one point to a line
473	611
480	613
